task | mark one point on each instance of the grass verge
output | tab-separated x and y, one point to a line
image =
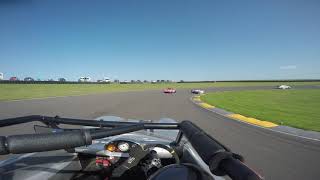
28	91
296	108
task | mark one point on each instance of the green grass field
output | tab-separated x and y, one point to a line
296	108
27	91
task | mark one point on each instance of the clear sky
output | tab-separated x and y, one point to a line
160	39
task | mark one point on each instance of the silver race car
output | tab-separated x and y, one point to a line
197	91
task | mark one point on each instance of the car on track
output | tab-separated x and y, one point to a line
197	91
28	79
14	79
169	90
284	87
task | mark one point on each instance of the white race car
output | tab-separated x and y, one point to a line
284	87
197	91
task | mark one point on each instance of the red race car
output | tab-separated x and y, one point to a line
169	90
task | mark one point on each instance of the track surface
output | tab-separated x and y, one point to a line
274	155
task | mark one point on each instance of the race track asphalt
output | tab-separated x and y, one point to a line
274	155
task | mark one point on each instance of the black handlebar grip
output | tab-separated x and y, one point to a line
219	158
206	146
237	170
18	144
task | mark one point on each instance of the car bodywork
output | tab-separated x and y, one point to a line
197	91
169	90
284	87
62	165
154	147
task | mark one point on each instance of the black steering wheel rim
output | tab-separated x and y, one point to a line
200	173
170	150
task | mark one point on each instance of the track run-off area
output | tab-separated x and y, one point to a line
274	155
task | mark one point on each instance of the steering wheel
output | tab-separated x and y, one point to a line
170	150
137	153
181	171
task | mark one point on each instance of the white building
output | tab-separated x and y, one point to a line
107	80
1	76
84	79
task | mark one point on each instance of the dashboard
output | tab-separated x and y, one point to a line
123	153
118	148
121	145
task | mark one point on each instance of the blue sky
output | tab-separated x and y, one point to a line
166	39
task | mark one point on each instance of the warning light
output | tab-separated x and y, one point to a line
111	147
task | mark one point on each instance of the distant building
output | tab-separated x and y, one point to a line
124	82
28	79
107	80
84	79
62	79
1	76
104	80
